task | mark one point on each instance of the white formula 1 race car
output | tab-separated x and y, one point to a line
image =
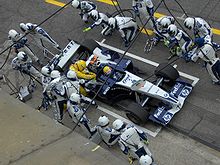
141	99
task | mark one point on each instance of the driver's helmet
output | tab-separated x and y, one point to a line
94	61
107	70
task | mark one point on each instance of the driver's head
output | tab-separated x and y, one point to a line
107	70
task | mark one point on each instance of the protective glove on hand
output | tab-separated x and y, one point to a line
166	42
87	29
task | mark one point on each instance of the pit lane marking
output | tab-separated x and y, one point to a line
54	2
193	78
110	2
151	133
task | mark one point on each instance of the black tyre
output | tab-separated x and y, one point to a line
167	71
134	112
90	45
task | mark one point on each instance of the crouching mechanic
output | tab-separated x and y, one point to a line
109	136
85	7
132	140
23	63
160	28
77	114
201	29
20	44
100	19
39	35
126	26
179	42
207	53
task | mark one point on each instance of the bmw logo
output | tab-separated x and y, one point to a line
185	92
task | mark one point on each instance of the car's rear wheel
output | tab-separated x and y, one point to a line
90	45
167	71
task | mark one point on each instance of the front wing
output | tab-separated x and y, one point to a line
164	113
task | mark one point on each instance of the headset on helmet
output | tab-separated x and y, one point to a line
75	3
189	23
81	64
55	74
112	22
103	121
13	34
172	30
94	14
75	98
145	160
71	74
46	71
22	56
117	124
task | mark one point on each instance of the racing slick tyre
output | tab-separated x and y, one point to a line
134	112
90	45
167	71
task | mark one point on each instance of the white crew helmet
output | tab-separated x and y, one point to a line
165	22
189	23
22	56
75	3
117	124
172	30
103	121
46	71
13	34
112	22
23	27
94	14
145	160
55	74
75	97
71	74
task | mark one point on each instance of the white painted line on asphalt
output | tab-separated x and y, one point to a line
103	41
151	133
193	78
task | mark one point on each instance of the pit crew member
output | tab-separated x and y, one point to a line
81	71
23	63
132	140
20	44
100	19
145	7
207	53
179	42
126	26
85	7
160	28
108	135
77	114
39	35
201	29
